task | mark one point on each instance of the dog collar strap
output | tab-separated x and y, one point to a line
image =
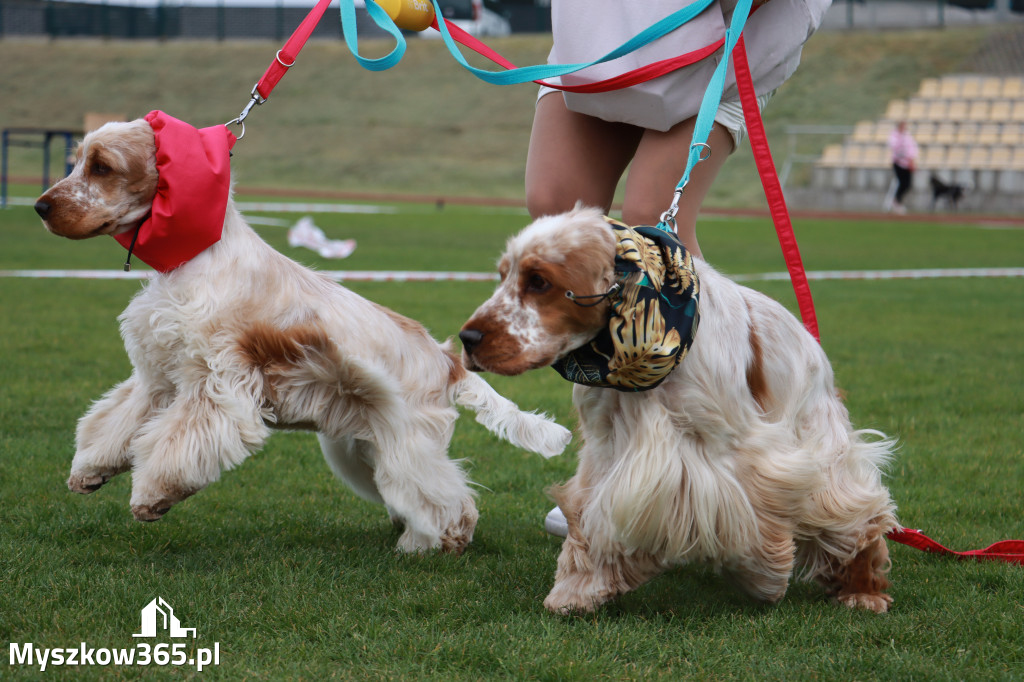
191	195
654	316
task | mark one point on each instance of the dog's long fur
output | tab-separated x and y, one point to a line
241	340
744	457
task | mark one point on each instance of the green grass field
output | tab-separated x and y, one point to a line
293	577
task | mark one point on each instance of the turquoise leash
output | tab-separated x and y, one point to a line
699	149
523	74
708	110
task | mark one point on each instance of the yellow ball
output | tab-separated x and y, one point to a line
411	15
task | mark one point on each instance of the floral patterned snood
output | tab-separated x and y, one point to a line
654	314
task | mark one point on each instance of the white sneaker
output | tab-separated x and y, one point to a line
555	523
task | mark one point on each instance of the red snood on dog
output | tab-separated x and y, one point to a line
191	193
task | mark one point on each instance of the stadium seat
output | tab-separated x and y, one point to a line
991	88
875	156
882	131
923	131
1001	158
988	134
1013	88
957	110
949	87
933	157
1017	115
929	88
956	157
896	110
935	110
979	110
945	133
1011	135
831	156
970	87
863	131
978	157
1000	111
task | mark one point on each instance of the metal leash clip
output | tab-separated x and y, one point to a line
669	216
256	100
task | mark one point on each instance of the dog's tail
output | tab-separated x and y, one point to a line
528	430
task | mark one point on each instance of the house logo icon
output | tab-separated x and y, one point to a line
158	615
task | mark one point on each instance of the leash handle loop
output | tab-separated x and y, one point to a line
1010	551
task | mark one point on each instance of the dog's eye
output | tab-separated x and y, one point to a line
100	169
535	283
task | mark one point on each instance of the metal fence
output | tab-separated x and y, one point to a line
889	14
202	19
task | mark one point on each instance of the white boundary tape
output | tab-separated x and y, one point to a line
433	276
273	206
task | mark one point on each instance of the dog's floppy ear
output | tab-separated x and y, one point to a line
192	193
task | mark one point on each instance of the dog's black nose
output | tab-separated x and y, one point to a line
43	209
470	338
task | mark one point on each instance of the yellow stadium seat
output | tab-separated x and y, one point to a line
863	131
957	110
978	157
1013	88
875	156
978	111
882	131
1001	159
923	132
945	133
956	157
1000	111
929	88
992	87
965	133
832	155
1011	135
970	87
933	156
896	110
935	110
853	155
949	87
1017	115
988	134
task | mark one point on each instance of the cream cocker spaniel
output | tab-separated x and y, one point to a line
743	457
240	340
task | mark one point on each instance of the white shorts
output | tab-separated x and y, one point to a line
730	114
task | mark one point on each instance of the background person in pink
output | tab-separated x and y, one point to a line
904	151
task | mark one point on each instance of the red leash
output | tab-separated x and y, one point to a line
773	189
1010	551
624	80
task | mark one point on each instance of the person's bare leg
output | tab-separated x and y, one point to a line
658	165
574	157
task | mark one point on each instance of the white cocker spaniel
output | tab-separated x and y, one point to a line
743	457
240	340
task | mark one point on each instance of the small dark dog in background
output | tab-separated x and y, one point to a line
951	193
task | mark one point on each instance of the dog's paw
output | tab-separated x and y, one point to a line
572	606
879	603
151	512
84	484
457	536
